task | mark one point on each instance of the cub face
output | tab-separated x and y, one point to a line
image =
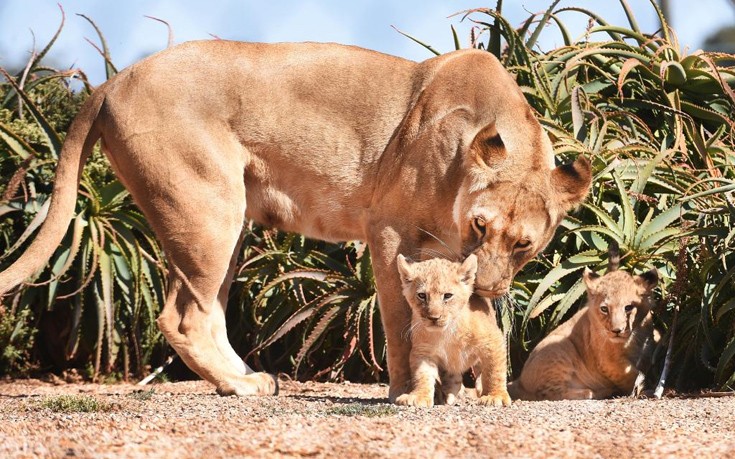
618	302
436	289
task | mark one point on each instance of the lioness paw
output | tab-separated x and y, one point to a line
252	384
496	399
415	400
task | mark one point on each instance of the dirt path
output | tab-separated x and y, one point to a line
177	420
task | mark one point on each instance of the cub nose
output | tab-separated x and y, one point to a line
617	331
434	319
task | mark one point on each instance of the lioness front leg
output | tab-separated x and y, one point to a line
394	311
493	371
425	374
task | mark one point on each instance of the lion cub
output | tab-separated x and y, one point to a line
597	353
451	331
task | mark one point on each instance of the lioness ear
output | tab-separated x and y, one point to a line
468	270
488	148
571	182
648	279
404	268
590	278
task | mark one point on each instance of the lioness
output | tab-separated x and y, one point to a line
597	353
335	142
451	331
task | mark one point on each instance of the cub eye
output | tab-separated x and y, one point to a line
628	308
421	296
448	296
522	244
604	309
479	227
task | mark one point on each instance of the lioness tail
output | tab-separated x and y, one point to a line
77	147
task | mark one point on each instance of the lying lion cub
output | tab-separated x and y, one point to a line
451	331
596	353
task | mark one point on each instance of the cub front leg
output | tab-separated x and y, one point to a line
425	374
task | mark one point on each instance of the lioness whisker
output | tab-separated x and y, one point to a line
440	241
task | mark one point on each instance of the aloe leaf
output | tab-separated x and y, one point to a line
566	302
16	144
51	42
566	267
76	321
628	215
457	45
52	138
32	226
106	273
607	221
110	69
531	42
725	363
315	333
428	47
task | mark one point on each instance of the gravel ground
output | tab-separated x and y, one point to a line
187	419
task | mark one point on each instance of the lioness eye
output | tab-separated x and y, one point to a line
448	296
628	308
421	296
523	244
479	227
604	309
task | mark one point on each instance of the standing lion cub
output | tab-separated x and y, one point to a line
597	353
451	331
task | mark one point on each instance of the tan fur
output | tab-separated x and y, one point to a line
595	354
451	331
332	141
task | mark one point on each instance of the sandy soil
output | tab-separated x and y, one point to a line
187	419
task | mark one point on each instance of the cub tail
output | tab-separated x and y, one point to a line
613	261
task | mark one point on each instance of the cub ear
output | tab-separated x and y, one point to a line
590	277
488	149
571	182
404	268
468	270
648	280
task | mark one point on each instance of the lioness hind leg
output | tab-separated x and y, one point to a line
201	244
219	327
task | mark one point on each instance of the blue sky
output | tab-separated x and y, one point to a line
364	23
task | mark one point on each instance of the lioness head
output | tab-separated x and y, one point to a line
437	289
507	210
617	301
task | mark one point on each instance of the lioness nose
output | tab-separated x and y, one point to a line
617	331
434	318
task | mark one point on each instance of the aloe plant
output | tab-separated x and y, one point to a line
658	125
108	272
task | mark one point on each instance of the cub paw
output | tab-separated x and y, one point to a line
415	400
496	399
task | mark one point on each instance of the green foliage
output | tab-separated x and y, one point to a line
359	409
16	341
74	404
311	307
